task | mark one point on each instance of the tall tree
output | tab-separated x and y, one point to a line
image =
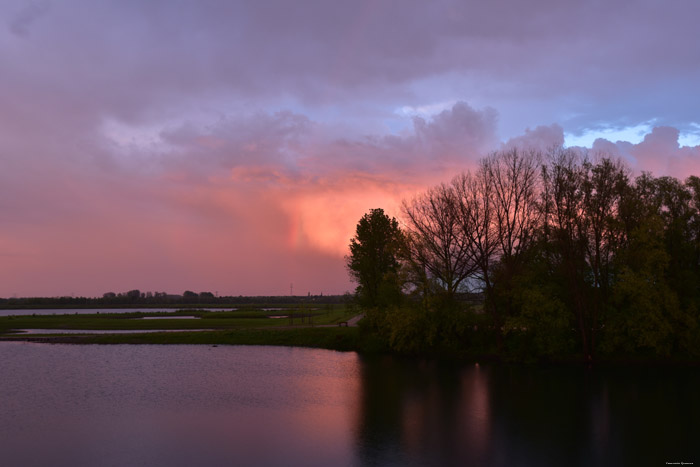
373	261
604	186
513	175
476	204
564	227
437	249
513	178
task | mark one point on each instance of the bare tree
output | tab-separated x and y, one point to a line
563	203
510	180
437	250
514	176
474	194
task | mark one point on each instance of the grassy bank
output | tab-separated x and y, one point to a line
243	319
308	328
288	327
331	338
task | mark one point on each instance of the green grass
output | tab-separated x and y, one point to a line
244	327
336	338
332	338
250	318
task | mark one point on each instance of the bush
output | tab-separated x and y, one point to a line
542	328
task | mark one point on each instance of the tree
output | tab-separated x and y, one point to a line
134	294
437	250
645	307
513	184
373	261
189	297
604	187
513	176
476	212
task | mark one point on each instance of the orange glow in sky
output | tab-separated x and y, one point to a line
232	147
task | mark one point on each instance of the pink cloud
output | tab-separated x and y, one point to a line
659	153
253	136
244	206
542	138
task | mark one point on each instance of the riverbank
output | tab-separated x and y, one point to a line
312	329
182	319
334	329
331	338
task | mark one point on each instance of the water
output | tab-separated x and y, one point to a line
89	311
105	331
66	405
170	317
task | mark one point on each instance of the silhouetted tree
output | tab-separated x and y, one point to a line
373	261
570	254
133	294
513	179
437	249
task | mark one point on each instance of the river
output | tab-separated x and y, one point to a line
129	405
89	311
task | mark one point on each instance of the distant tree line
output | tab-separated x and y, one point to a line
571	255
136	298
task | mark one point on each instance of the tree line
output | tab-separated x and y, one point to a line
571	255
136	298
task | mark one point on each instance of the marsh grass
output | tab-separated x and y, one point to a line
331	338
245	327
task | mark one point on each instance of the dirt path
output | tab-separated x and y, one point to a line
353	321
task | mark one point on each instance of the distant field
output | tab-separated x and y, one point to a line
244	318
290	326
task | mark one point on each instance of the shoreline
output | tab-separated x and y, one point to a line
332	330
336	338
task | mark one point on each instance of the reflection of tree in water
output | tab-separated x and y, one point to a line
599	416
540	415
422	412
655	410
428	413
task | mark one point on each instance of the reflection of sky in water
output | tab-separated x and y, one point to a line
90	311
239	405
475	410
175	405
170	317
105	331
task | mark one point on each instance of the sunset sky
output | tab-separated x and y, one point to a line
232	146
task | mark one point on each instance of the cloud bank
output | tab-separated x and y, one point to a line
232	146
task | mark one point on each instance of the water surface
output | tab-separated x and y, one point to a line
90	311
69	405
104	331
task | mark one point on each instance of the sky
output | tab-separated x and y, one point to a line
232	147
